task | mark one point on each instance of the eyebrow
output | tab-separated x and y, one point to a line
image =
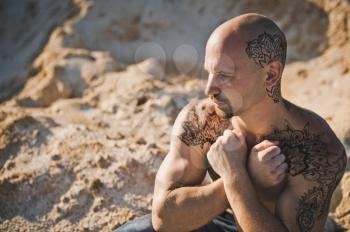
224	73
219	72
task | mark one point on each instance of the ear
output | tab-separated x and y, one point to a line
273	80
274	73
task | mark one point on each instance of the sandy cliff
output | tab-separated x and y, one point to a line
87	118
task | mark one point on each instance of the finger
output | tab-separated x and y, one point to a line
282	169
269	153
265	144
278	160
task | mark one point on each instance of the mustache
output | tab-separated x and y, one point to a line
219	98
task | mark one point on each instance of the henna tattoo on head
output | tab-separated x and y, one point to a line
199	132
274	91
266	48
307	155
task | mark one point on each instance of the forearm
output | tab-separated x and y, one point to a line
249	212
188	208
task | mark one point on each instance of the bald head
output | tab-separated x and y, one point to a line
251	36
245	57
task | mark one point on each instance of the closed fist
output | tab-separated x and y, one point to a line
267	164
228	153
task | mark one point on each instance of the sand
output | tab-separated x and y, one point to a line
90	91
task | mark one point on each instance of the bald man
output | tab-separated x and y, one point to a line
273	165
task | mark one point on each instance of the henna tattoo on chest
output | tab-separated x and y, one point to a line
307	155
199	132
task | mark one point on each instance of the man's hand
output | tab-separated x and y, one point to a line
267	166
228	154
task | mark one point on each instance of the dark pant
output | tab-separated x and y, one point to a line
222	223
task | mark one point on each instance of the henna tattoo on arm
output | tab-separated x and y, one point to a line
264	49
307	155
199	132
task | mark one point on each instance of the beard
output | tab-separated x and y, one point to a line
224	109
224	112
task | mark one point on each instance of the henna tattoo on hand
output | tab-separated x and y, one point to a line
199	132
266	48
307	155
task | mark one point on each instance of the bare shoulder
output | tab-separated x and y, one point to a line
316	163
198	125
326	152
185	164
310	123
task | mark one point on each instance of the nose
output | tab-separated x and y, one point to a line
213	87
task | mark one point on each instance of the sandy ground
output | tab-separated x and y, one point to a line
85	120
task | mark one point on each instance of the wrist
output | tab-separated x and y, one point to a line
234	175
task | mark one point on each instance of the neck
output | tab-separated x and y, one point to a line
260	119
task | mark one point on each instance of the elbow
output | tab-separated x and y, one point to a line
158	222
161	218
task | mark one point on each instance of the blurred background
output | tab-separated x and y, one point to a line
89	91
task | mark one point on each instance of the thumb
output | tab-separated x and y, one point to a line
239	135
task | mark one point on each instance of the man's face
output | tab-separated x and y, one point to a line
234	83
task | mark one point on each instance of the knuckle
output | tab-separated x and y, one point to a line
279	160
263	152
228	140
265	156
220	139
227	133
239	134
261	156
280	167
276	149
231	136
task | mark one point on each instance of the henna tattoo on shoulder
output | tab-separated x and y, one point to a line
266	48
198	132
307	155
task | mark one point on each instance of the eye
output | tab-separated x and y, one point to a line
223	76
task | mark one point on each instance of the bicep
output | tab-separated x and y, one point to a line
177	171
185	164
